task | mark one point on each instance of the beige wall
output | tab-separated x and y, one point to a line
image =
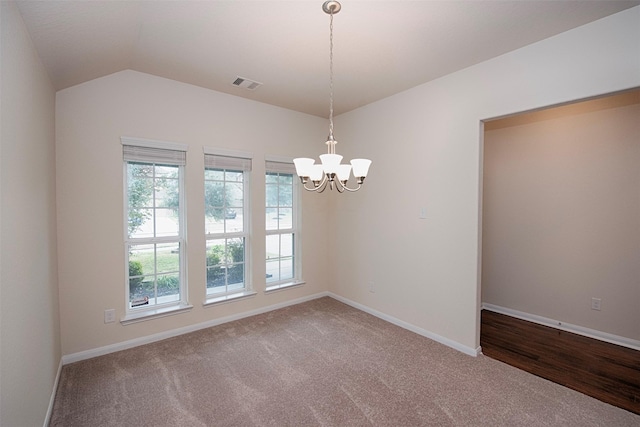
90	119
426	147
29	332
561	221
425	144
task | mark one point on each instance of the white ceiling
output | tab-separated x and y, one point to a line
380	47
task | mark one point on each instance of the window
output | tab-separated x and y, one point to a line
226	188
154	214
282	222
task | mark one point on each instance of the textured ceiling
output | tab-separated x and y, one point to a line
381	47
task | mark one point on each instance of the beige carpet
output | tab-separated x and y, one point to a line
321	363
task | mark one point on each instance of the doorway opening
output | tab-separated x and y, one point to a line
561	228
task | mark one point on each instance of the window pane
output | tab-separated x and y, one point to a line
271	178
140	222
150	186
279	257
286	179
166	171
285	190
213	225
147	286
143	257
215	260
166	193
273	246
233	194
215	203
234	176
225	265
285	217
224	201
233	222
140	192
215	279
286	245
138	170
214	174
214	196
271	195
139	199
215	252
236	275
271	219
279	219
168	288
167	223
286	268
285	196
168	257
141	274
235	250
273	271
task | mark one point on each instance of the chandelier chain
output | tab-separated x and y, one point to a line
331	75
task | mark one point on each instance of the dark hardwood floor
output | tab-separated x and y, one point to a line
608	372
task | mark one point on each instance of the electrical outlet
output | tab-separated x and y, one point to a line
110	316
372	288
595	303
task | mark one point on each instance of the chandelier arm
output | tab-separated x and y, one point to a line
319	188
343	185
322	186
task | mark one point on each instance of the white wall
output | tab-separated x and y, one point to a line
425	144
90	119
30	336
561	214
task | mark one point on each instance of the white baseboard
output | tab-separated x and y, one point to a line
47	418
112	348
442	340
580	330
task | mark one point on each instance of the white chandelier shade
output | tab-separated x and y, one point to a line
331	171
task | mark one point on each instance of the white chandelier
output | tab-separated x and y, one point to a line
331	173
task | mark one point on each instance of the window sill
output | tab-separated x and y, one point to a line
228	298
283	286
155	314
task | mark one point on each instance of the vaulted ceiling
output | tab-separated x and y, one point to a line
380	47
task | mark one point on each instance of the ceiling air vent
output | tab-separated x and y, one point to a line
246	83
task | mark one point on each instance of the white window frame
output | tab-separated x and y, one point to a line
236	161
142	313
279	164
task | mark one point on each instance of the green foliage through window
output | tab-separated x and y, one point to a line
225	267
